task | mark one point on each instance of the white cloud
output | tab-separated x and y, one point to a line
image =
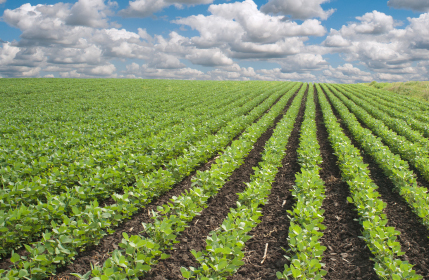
276	74
145	8
44	24
243	22
241	31
210	57
116	34
145	71
303	62
416	5
234	72
348	74
376	43
373	23
2	1
91	54
70	74
302	9
59	40
7	53
165	61
336	40
104	70
31	72
92	13
390	77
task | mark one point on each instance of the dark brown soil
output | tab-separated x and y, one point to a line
414	235
421	181
98	254
346	256
274	227
194	237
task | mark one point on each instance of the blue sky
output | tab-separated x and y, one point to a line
306	40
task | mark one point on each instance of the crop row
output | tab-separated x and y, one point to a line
386	106
397	125
54	143
96	167
72	217
392	165
88	225
414	109
412	152
380	239
307	215
25	223
140	253
224	251
97	172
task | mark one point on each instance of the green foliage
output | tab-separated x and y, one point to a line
224	251
380	239
306	216
84	230
393	166
172	218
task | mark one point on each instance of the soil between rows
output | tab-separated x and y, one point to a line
421	181
414	235
5	262
274	226
101	252
194	237
346	256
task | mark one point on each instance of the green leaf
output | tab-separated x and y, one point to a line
185	273
125	235
145	267
164	256
40	258
22	273
15	257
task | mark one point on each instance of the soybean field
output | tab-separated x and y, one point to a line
167	179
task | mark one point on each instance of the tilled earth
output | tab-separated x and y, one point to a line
346	256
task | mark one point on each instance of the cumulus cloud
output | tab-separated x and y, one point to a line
104	70
146	71
416	5
165	61
276	74
303	62
336	40
302	9
145	8
44	24
7	53
242	21
240	30
390	77
376	43
234	72
348	74
66	46
61	40
91	13
20	62
209	57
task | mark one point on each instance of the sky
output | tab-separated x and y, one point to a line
337	41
